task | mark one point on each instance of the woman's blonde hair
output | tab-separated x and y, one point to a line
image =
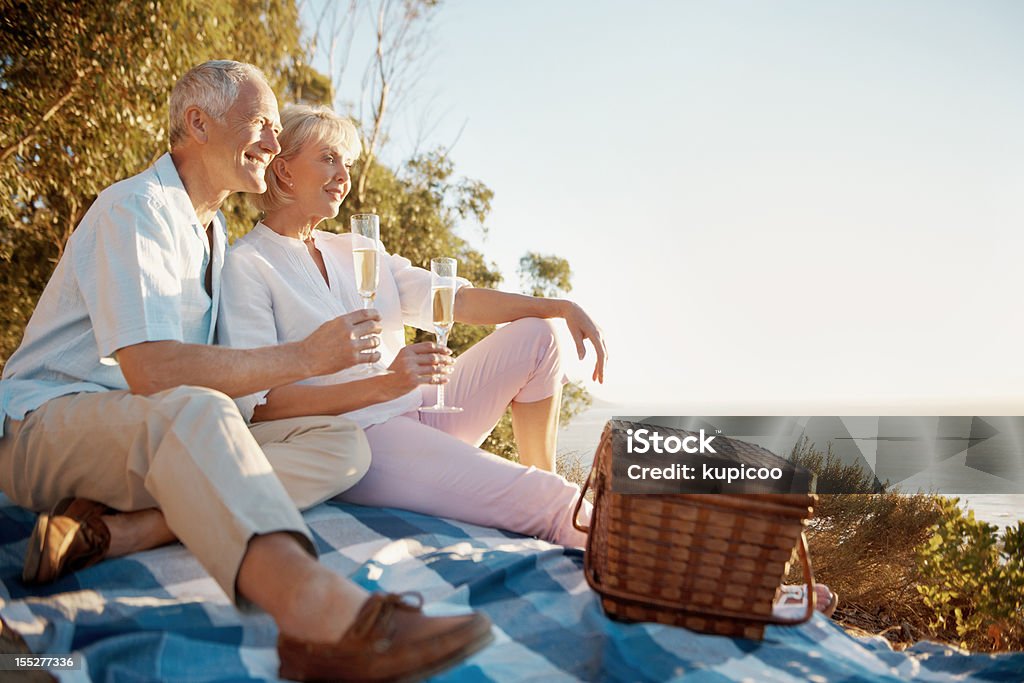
301	124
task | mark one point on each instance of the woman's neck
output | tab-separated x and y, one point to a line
290	223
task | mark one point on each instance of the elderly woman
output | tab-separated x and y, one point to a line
286	277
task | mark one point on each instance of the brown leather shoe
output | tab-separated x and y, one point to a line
68	538
391	640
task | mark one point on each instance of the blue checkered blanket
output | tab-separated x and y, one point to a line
157	615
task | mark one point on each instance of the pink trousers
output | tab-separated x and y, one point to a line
431	463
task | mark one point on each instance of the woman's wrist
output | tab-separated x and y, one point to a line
555	308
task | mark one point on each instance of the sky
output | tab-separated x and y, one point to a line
770	208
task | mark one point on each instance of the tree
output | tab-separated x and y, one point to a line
400	40
544	275
85	87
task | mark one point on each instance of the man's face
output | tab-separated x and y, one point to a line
245	141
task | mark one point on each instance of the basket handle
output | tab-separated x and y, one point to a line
579	504
598	454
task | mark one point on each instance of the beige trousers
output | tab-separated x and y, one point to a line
189	452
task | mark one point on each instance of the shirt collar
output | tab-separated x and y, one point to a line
288	242
177	196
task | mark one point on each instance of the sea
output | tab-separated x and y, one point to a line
580	437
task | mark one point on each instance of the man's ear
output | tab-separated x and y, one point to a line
196	124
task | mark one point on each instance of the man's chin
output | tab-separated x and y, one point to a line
256	187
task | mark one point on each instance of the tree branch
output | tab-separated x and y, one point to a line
54	108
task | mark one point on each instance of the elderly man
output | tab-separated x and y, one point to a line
116	398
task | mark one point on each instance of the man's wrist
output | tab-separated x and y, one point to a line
299	357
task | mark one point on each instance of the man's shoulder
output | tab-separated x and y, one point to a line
143	190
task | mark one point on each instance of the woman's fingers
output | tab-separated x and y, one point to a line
602	357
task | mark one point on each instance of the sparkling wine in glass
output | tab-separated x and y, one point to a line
442	303
366	259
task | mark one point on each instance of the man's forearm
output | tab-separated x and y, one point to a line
489	306
156	366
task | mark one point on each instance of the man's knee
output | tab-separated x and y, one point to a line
197	402
353	453
335	457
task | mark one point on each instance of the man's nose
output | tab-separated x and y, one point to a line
269	141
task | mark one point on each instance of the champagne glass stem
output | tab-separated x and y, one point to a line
443	341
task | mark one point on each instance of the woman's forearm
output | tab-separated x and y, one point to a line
491	307
301	400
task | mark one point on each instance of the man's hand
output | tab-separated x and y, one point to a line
344	341
423	363
582	327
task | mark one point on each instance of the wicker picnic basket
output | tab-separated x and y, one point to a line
707	562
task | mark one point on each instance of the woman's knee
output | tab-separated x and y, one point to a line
537	334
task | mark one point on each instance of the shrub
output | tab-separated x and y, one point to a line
864	545
972	582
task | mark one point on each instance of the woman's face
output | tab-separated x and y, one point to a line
320	177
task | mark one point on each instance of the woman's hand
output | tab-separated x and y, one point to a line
582	327
416	364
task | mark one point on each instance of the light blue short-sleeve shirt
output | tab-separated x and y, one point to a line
133	271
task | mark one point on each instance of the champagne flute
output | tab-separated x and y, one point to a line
442	301
366	260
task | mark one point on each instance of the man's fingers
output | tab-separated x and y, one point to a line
364	343
362	314
367	327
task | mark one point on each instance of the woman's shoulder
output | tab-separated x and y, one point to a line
250	247
334	237
339	242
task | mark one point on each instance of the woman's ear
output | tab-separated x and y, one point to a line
283	172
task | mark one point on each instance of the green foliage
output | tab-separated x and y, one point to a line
913	566
544	275
85	87
973	583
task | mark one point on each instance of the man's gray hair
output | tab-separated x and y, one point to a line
212	86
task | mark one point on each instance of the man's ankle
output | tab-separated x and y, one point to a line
321	609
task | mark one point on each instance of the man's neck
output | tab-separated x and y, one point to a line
205	195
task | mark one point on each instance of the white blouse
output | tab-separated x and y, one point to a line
273	293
